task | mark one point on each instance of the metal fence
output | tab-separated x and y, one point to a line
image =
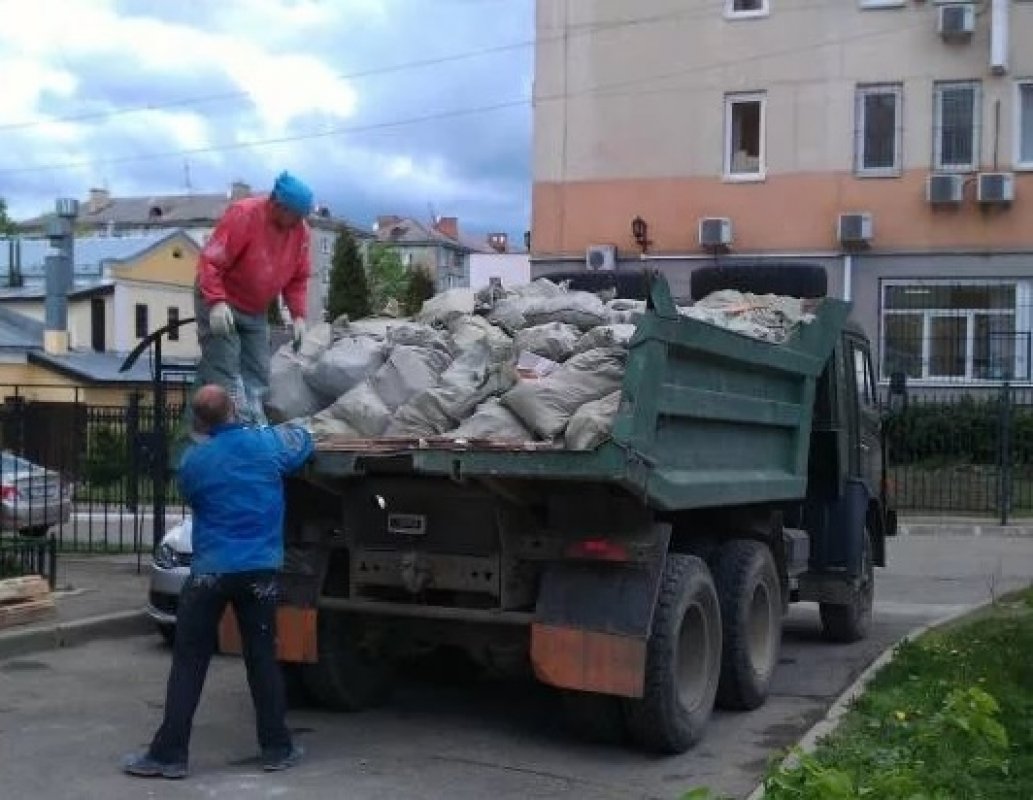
963	452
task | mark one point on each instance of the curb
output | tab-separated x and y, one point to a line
118	625
808	743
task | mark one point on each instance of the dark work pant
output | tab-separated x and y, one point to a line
202	603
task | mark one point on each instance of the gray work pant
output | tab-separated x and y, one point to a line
238	362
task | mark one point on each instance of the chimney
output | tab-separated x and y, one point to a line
386	221
499	242
61	233
239	190
99	200
448	226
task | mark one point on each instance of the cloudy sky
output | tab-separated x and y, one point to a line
384	106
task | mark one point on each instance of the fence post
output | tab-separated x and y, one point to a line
52	561
1004	452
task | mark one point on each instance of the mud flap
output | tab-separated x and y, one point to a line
593	621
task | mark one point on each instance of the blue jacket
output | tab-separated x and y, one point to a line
233	483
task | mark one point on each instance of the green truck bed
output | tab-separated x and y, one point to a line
708	418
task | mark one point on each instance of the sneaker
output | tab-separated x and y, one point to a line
143	766
278	762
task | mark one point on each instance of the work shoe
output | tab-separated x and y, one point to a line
276	762
141	765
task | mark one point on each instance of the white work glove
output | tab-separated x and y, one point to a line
298	331
220	318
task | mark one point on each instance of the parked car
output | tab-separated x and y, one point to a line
32	498
169	571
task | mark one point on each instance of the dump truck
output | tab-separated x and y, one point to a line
647	579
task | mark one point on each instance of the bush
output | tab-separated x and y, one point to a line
107	457
421	287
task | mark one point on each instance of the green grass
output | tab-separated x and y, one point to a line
950	717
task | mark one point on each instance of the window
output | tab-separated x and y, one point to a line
141	321
956	133
739	9
1024	125
877	122
324	245
173	320
965	331
744	136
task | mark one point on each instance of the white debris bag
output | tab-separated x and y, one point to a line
492	420
605	336
546	405
362	409
592	424
443	308
323	426
554	340
407	372
529	365
769	317
289	395
344	365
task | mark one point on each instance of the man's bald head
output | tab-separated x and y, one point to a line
212	406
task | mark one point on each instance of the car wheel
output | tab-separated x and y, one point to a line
34	531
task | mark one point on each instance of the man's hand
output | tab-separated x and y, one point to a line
298	328
220	318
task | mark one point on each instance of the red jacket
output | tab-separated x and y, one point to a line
249	262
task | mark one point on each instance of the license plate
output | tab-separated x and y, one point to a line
407	524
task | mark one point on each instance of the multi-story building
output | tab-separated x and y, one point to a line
103	214
437	247
890	141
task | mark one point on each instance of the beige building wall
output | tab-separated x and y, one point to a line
630	120
158	299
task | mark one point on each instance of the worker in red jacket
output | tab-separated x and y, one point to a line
258	252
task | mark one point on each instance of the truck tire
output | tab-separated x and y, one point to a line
750	592
683	660
596	718
796	280
346	677
852	621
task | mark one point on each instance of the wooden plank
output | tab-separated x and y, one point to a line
24	588
21	613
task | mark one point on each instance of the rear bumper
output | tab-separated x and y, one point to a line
18	516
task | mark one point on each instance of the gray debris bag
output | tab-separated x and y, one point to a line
413	334
583	310
343	366
443	308
376	327
493	421
323	426
471	379
289	395
407	372
362	409
554	340
605	336
592	424
468	331
625	312
542	287
317	339
545	405
770	318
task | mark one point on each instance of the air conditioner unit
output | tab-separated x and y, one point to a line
715	232
945	189
601	258
995	188
855	229
956	21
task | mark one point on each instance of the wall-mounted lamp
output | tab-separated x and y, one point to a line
640	230
527	240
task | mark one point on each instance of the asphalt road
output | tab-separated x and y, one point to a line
67	717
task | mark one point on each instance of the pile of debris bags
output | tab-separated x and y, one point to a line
536	363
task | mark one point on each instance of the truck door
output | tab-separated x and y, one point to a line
865	446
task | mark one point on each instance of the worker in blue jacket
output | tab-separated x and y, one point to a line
233	482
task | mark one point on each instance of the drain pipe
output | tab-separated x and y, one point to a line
848	276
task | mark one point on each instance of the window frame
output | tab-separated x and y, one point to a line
731	99
1020	313
763	11
137	319
1018	164
976	127
861	92
874	4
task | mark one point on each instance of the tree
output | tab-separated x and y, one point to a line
7	226
421	287
349	290
388	277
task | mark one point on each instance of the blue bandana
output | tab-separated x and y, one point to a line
292	194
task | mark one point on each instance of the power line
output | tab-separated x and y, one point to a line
609	90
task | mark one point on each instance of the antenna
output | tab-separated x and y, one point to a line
186	176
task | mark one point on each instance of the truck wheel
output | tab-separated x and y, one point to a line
683	660
347	676
597	718
851	622
751	621
797	280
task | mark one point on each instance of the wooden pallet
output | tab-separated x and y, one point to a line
25	600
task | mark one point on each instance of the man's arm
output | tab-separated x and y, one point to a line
294	446
225	246
295	292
